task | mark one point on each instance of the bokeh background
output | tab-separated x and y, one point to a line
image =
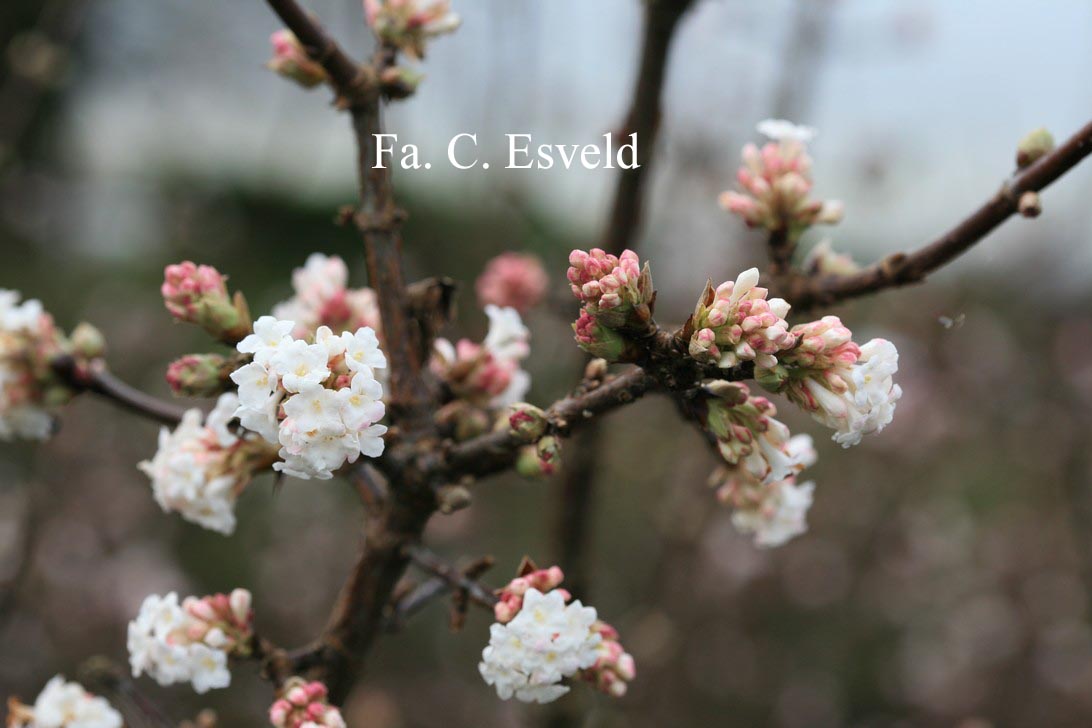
947	573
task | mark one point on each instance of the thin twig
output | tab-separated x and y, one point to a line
578	472
456	579
902	269
101	382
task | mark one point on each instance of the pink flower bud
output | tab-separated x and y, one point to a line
240	605
291	60
512	279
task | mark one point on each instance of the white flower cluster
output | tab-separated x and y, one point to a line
490	370
781	513
193	473
64	705
546	642
323	298
160	644
319	401
21	327
867	401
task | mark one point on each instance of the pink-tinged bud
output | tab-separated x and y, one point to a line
512	279
601	341
303	704
186	284
278	713
87	342
616	291
290	60
297	696
407	25
198	375
241	601
198	294
734	322
775	182
527	422
201	609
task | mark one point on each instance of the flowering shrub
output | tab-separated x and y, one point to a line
301	392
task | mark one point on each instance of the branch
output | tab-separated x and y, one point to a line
902	269
353	82
101	382
496	451
377	217
454	578
661	18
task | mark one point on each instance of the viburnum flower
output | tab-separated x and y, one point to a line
199	375
320	401
615	290
510	596
546	642
29	391
776	182
513	280
64	704
323	298
191	641
198	294
408	24
291	61
779	516
488	374
847	387
761	464
201	468
303	705
735	323
615	668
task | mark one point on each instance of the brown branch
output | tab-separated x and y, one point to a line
454	578
101	382
353	82
661	20
496	451
902	269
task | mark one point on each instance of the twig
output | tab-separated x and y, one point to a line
456	579
578	473
902	269
496	451
101	382
354	82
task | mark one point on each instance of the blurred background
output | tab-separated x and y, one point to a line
947	573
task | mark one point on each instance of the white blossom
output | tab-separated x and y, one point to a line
362	350
64	704
26	332
508	338
547	641
160	646
300	365
319	402
867	401
781	130
269	335
192	472
781	515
